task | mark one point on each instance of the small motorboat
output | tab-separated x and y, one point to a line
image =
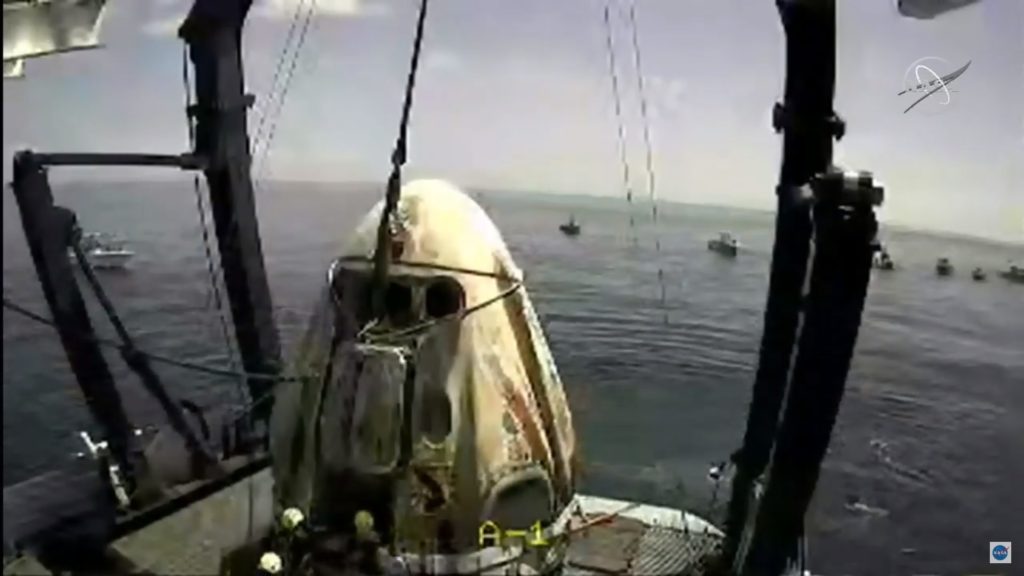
725	244
882	260
856	505
979	275
943	267
570	228
104	250
1014	274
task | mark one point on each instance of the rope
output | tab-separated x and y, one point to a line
394	187
261	160
269	111
246	409
194	366
139	364
258	166
649	155
612	68
265	109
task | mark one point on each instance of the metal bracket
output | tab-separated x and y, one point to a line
797	194
187	161
851	188
247	101
48	231
100	452
782	120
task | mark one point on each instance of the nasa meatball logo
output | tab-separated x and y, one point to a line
922	79
999	552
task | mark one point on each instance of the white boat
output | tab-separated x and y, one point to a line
1014	274
105	250
570	228
882	260
725	244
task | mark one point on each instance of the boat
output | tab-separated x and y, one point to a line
943	267
856	505
103	250
570	228
978	275
1014	274
423	426
725	244
882	261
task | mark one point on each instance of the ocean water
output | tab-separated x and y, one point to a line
930	434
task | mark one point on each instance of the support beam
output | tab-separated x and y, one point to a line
808	124
48	231
213	31
844	235
183	161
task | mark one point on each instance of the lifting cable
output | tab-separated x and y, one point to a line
266	138
184	364
264	108
649	148
612	69
139	363
263	135
270	113
649	155
382	252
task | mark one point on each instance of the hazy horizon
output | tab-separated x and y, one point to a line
640	205
519	98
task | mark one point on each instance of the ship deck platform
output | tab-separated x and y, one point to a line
607	537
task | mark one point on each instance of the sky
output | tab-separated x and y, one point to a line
517	96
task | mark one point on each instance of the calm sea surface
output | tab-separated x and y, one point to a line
659	386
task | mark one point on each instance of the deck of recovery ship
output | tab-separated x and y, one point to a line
619	537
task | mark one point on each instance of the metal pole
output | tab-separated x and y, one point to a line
48	231
183	161
213	32
202	456
808	124
844	243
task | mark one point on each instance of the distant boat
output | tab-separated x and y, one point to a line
857	505
943	267
104	250
725	244
1014	274
570	228
882	260
979	275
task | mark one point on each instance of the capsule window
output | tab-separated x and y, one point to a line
398	301
352	298
444	297
436	412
